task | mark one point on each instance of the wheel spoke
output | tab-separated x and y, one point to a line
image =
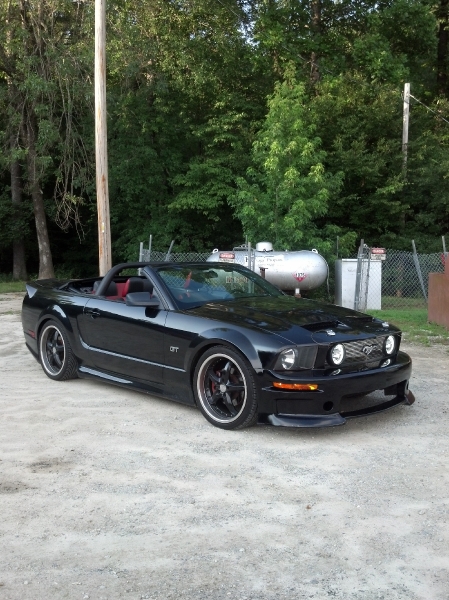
213	376
57	360
225	373
233	387
229	405
216	396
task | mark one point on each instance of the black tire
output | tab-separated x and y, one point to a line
55	353
225	390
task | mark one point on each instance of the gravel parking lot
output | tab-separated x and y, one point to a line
106	493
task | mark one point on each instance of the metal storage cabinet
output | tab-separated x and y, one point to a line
371	287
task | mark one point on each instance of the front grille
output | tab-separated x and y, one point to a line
366	352
373	350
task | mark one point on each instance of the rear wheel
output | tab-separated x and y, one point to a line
56	355
225	389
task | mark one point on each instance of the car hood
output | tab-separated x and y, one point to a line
297	320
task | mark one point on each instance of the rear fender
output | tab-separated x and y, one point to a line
54	312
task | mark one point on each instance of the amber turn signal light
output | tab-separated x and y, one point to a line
302	387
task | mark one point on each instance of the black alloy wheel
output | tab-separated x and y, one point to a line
56	355
225	390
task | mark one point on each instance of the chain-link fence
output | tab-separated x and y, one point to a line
396	279
153	256
238	255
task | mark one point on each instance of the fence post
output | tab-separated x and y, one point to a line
443	239
149	247
418	270
358	277
167	256
141	252
367	280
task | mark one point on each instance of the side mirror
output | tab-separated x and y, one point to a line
141	299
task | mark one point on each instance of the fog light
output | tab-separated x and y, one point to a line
390	344
337	354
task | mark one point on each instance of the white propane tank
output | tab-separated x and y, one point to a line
303	269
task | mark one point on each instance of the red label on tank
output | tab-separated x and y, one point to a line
227	255
299	276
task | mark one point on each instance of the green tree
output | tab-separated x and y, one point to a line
42	47
287	191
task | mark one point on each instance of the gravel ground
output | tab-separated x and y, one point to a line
106	493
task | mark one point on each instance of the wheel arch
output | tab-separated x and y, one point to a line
235	341
54	313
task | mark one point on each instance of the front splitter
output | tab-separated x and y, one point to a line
335	419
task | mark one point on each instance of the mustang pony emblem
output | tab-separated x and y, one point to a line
367	350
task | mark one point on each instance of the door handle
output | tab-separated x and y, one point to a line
93	312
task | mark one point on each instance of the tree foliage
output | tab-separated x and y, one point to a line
287	190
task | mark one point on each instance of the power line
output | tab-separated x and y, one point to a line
228	8
429	109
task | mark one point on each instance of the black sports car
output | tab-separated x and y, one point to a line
217	336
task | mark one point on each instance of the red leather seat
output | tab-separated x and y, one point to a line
133	284
137	284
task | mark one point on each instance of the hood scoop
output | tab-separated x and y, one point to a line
321	325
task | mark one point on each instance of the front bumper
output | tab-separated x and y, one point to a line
325	406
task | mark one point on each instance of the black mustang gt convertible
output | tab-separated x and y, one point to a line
218	336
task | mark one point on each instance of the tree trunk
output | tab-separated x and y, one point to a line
45	259
19	270
442	49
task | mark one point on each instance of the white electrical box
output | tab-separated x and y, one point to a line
371	283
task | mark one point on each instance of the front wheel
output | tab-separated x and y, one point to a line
56	355
225	390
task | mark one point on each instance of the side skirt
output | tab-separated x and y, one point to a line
89	373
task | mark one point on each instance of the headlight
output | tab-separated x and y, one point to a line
288	358
390	344
299	357
337	354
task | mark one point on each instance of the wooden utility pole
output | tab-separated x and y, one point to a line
101	145
405	127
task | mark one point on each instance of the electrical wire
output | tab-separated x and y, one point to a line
429	109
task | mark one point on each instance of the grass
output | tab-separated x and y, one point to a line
414	325
11	286
403	302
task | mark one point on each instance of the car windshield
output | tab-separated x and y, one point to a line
193	285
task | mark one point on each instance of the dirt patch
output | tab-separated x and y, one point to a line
11	303
106	493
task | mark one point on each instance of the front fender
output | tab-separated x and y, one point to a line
219	336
